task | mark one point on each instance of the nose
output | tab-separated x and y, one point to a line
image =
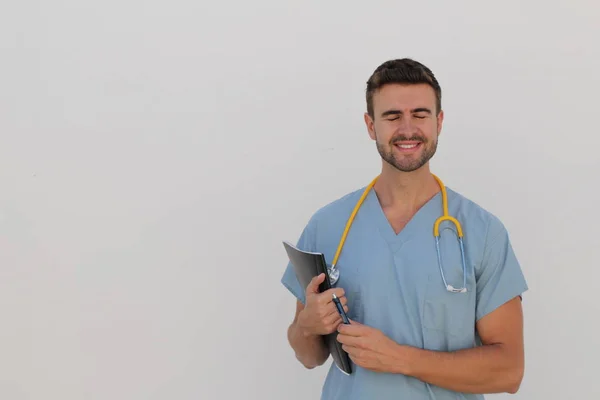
406	125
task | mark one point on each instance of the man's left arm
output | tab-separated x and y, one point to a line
495	367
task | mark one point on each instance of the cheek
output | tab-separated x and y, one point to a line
429	130
383	134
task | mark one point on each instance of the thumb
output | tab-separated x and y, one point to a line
313	285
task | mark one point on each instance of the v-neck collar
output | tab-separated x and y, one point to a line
422	219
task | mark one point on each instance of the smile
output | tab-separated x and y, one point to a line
408	146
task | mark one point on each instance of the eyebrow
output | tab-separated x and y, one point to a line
397	112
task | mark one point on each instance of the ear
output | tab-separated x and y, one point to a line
440	122
370	126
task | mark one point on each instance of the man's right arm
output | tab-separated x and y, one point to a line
317	318
310	349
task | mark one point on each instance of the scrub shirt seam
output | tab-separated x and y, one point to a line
485	244
492	306
444	331
289	287
489	243
497	304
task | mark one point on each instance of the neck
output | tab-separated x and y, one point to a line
405	191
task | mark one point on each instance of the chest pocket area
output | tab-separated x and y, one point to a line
448	312
444	311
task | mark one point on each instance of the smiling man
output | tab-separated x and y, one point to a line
435	304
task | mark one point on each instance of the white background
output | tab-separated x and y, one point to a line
154	154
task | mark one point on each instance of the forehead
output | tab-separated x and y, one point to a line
404	97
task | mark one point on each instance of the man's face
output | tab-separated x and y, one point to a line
405	126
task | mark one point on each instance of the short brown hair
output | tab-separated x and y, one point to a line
403	71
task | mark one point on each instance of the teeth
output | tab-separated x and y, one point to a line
408	146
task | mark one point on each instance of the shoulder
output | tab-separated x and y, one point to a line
340	206
486	237
478	221
498	276
330	218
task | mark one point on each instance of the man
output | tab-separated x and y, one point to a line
411	336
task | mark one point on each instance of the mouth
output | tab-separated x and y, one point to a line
408	147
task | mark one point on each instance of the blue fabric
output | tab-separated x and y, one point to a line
393	283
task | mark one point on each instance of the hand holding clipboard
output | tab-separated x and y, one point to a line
323	316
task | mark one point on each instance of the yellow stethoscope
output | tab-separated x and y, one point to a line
334	272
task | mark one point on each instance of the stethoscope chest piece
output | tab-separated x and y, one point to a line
452	289
334	274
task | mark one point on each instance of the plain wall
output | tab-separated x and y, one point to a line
153	156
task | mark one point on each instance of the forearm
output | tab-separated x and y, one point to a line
310	350
485	369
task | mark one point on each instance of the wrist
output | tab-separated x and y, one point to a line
303	330
405	356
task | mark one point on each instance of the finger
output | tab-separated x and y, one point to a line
313	285
328	294
343	299
331	314
353	329
352	351
352	341
325	310
330	311
339	292
333	323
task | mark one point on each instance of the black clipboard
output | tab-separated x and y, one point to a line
307	265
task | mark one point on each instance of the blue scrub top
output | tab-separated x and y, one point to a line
393	283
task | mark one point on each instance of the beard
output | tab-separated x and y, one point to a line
409	162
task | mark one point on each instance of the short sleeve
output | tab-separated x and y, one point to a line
499	277
306	242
